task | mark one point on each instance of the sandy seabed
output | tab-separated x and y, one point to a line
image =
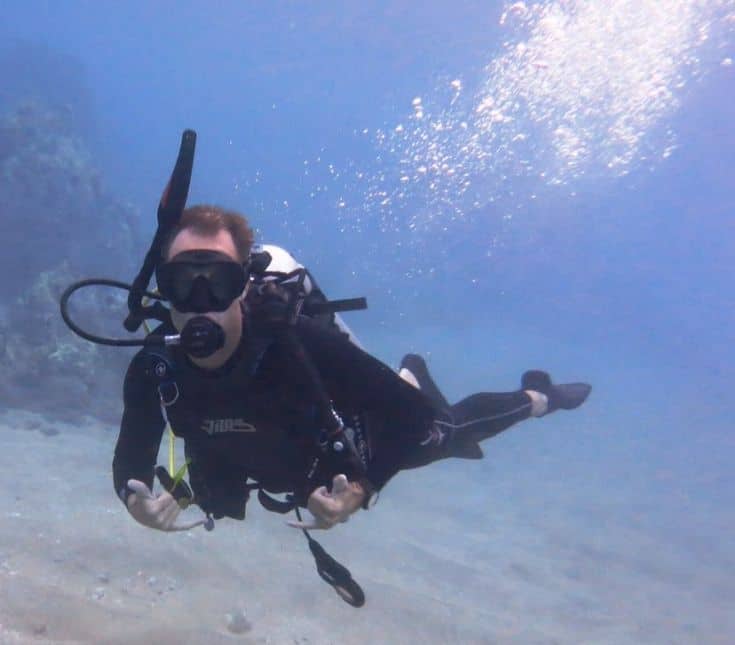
526	546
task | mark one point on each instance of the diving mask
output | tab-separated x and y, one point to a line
201	281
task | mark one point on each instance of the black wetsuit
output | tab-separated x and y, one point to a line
255	418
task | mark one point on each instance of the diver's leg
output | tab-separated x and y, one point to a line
459	429
484	415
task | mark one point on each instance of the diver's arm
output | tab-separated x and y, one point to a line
136	453
141	430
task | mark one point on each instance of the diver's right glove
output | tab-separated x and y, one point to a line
155	512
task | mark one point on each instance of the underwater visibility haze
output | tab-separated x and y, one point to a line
511	185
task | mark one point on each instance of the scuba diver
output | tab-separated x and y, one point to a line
253	367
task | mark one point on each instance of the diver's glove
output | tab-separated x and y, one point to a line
155	512
331	508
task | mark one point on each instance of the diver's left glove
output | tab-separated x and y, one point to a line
331	508
155	512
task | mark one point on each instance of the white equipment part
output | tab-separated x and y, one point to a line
283	262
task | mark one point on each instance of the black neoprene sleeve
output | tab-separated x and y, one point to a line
141	430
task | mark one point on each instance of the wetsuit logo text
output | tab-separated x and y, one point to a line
216	426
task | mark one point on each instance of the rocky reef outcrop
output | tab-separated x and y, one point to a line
58	223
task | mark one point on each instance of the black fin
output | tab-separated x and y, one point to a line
417	366
536	380
568	396
565	396
466	450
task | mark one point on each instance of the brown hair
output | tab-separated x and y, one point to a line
209	220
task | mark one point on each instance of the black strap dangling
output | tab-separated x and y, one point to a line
333	573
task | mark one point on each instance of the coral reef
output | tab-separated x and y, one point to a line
53	205
46	368
58	223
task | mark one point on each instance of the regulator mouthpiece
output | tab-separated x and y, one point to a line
202	337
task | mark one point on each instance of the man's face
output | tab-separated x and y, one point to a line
230	318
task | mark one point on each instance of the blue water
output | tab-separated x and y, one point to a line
611	263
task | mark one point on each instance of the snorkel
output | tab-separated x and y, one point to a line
170	208
201	336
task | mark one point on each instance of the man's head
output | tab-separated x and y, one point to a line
203	271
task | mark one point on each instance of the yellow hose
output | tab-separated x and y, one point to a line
171	435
